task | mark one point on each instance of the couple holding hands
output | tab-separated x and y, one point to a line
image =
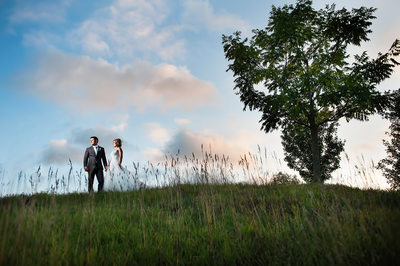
116	176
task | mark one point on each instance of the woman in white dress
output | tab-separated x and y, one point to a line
118	177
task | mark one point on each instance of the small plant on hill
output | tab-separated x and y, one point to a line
284	178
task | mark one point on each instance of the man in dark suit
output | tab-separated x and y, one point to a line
92	162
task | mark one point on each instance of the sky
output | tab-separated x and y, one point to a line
150	72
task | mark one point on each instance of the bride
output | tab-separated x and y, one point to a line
118	177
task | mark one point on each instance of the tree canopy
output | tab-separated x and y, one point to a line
308	79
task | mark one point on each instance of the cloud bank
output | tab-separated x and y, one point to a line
127	27
60	151
79	81
188	142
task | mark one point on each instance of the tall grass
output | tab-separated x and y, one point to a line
204	224
206	168
259	168
359	173
197	210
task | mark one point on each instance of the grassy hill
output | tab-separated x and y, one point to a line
204	224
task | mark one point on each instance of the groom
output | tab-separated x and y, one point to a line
92	160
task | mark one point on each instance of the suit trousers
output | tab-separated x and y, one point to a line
100	178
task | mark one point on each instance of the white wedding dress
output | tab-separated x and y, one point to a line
117	178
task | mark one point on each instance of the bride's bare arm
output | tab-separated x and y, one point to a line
120	152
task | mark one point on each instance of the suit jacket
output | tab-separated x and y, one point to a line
92	160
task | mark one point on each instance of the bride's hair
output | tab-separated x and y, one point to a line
119	142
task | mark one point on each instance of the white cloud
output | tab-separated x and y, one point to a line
73	147
201	13
32	11
93	43
81	136
153	154
127	27
182	121
157	133
79	81
60	151
188	142
42	39
232	136
122	125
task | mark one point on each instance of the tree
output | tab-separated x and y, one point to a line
297	149
301	60
391	164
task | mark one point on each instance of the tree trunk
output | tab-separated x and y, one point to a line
316	153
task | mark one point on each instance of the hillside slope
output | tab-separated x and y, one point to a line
204	224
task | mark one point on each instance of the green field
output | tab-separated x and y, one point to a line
204	224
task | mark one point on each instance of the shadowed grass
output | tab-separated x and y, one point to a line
204	224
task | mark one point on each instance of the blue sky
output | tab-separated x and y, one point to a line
150	72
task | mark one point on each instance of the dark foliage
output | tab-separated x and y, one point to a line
391	164
300	58
297	148
284	178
